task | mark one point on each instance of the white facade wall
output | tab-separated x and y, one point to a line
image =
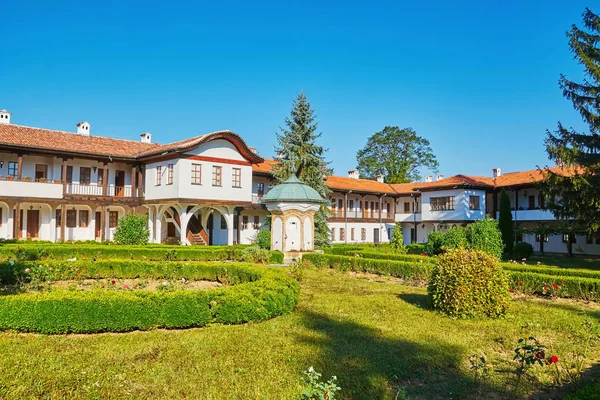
384	230
461	210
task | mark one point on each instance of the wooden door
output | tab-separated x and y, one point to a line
98	225
33	223
119	183
376	236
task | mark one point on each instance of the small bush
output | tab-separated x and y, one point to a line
397	241
468	283
263	239
276	257
522	250
256	255
435	242
438	242
485	236
132	229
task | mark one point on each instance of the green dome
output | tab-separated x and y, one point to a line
293	190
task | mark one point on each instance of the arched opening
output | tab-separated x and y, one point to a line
206	226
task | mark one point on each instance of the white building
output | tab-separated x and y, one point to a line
207	189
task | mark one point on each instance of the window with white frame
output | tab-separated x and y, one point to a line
237	177
442	203
170	174
217	175
158	175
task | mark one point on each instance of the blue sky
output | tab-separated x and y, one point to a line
476	78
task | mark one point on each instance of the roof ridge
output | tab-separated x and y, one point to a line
75	133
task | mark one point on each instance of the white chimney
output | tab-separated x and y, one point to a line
496	172
428	178
380	178
354	174
146	137
253	149
83	128
439	177
4	117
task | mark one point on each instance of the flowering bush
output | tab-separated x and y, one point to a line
467	283
529	353
317	390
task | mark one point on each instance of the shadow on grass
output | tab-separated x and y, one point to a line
572	307
369	365
416	299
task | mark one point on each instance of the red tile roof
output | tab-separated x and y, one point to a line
359	185
46	139
264	167
530	177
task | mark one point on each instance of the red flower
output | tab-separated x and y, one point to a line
562	283
553	360
539	355
510	290
520	283
556	286
113	282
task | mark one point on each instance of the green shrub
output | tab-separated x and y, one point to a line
438	242
415	248
401	269
467	283
435	242
396	257
132	229
260	293
522	250
263	239
397	241
545	270
570	286
276	257
485	236
256	255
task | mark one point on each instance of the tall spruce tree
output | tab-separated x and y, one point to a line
573	191
298	152
505	222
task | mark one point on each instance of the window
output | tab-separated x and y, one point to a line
69	178
566	238
389	233
541	201
342	234
261	189
196	174
363	234
170	174
538	238
244	222
58	218
589	239
333	234
71	218
352	234
406	207
388	208
340	207
13	169
473	203
100	179
83	218
442	203
85	175
350	205
413	239
256	222
223	222
237	178
532	202
41	171
113	219
216	175
158	175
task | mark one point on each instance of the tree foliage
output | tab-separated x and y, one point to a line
505	222
397	154
297	151
132	229
573	190
397	240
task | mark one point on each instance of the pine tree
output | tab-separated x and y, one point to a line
505	222
573	191
298	152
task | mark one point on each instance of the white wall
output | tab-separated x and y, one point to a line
461	210
369	226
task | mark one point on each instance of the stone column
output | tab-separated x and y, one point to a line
157	226
151	224
17	221
63	222
184	218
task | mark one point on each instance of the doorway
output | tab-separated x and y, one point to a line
33	224
98	225
376	236
119	183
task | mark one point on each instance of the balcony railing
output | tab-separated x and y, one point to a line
256	198
360	214
95	190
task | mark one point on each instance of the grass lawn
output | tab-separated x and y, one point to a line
373	333
564	261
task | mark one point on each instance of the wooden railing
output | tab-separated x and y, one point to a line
95	190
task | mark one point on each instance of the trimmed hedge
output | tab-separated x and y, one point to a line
573	286
261	293
584	273
400	269
150	252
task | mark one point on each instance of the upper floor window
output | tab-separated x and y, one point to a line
100	179
442	203
170	174
388	208
474	203
158	175
13	169
350	205
261	189
217	175
69	177
237	177
85	175
532	202
41	171
196	174
406	207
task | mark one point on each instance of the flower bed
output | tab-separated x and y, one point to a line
250	293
